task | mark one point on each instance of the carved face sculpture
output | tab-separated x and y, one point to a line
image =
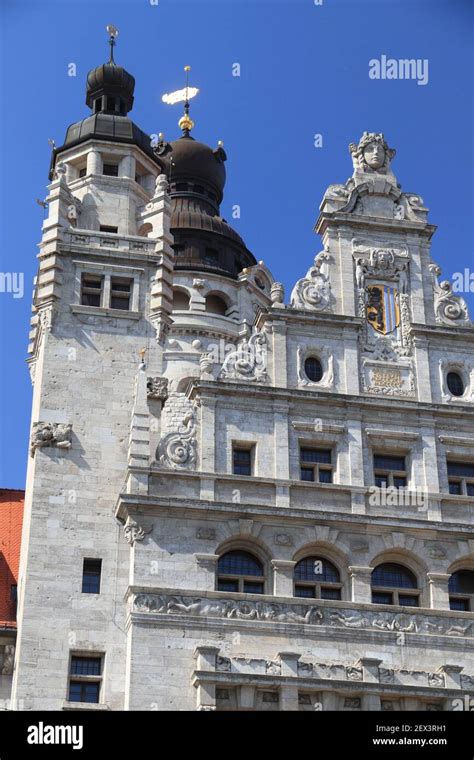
374	154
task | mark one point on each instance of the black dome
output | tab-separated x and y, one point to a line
113	80
190	160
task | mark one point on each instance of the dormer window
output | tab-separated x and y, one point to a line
110	103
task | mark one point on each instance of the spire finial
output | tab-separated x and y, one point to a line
113	34
185	122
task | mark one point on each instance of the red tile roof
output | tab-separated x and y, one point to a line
11	518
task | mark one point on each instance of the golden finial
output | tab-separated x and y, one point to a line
142	353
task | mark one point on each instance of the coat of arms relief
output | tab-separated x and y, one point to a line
382	284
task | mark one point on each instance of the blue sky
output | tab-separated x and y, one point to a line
304	70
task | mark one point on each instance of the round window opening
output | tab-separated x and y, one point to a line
313	369
455	383
259	283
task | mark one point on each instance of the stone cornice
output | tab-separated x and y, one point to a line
179	506
340	219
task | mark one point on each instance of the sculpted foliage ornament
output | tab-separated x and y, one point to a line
248	362
178	448
449	309
50	434
313	292
134	532
157	388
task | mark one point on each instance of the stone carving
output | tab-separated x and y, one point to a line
352	703
449	309
273	668
277	294
56	434
314	291
467	682
206	533
386	675
384	350
354	674
157	388
398	211
248	362
436	679
178	448
161	184
8	660
206	365
305	669
300	613
283	539
223	664
133	532
372	154
386	706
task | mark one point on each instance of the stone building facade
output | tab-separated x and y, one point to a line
237	500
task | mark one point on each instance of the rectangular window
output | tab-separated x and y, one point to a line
461	478
120	291
390	471
85	677
108	228
91	290
83	172
316	465
110	170
242	461
91	576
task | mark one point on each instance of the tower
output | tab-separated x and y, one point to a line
234	502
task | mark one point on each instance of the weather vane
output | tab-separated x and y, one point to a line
113	34
180	96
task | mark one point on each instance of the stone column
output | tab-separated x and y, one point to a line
452	675
360	584
422	368
371	702
280	368
127	167
208	445
207	566
206	657
281	452
439	592
94	162
370	669
283	577
288	697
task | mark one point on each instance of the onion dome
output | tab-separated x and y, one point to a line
110	89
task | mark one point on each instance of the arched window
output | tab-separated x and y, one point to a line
461	590
180	300
240	571
145	229
317	578
394	584
215	304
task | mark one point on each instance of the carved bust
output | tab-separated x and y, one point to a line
372	153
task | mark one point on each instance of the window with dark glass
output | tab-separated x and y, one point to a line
110	170
120	290
91	290
317	578
85	678
108	228
91	573
394	584
211	256
461	590
83	171
313	369
461	478
240	571
455	383
242	460
390	471
97	105
110	103
316	465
